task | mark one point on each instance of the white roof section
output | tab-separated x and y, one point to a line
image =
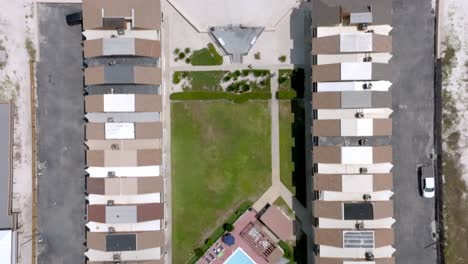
381	57
120	130
351	224
356	71
96	227
357	183
120	214
353	86
360	17
351	113
141	171
357	127
144	254
125	199
355	42
119	103
356	155
355	196
142	34
326	168
6	237
334	252
336	30
118	46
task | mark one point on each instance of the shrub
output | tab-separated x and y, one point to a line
181	55
257	56
198	252
282	79
228	227
187	60
176	51
227	78
187	50
245	72
237	73
282	58
258	73
209	241
177	77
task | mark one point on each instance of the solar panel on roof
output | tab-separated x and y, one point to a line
358	239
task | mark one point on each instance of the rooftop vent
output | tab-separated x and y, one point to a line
359	115
116	258
367	59
115	146
111	174
362	170
366	197
111	229
110	202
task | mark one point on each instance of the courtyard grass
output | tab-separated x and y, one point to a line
206	56
286	119
220	158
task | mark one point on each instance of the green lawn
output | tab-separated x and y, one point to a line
206	56
286	119
220	158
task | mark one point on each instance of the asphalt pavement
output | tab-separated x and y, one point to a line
61	156
413	128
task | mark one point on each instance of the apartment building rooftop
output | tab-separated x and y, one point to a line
351	71
112	14
352	42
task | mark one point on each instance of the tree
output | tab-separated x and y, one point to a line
187	60
176	51
228	227
209	241
181	55
187	50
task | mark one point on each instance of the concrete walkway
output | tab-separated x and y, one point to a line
278	189
233	67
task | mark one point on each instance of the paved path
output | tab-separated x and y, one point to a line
231	67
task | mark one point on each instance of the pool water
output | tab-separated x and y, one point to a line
239	257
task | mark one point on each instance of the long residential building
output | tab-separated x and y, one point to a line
123	136
352	161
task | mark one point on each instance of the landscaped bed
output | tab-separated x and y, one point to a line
286	120
206	56
220	158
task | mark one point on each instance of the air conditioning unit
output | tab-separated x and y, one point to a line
362	170
115	146
363	142
360	226
116	258
366	197
367	86
111	174
110	119
369	256
363	26
367	59
110	202
359	115
111	229
120	31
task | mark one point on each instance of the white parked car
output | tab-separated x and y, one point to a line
428	187
427	182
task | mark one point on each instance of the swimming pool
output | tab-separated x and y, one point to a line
239	257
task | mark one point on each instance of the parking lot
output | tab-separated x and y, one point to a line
413	127
61	175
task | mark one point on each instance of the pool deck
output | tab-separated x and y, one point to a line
245	219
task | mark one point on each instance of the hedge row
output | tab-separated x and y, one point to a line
205	95
286	95
219	232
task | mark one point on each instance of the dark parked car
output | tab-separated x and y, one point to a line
74	19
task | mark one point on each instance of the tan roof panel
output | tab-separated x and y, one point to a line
94	103
278	222
326	72
326	100
123	158
327	154
148	48
382	154
93	48
330	128
329	182
148	103
383	181
328	209
326	45
148	130
95	185
145	212
382	127
147	13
